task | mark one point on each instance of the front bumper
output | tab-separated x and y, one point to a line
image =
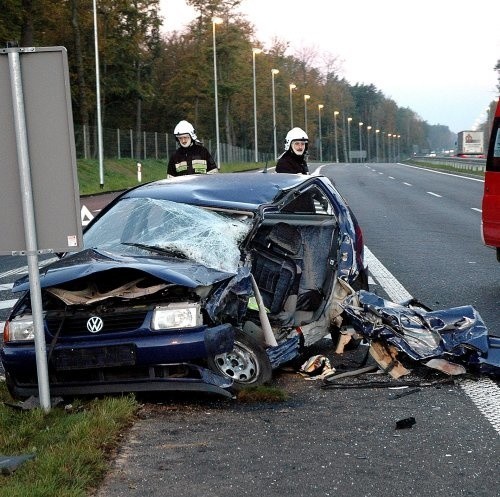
155	362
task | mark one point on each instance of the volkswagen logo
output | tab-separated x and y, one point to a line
94	324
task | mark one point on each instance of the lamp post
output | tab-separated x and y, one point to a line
399	150
292	87
306	98
98	100
216	20
377	132
368	128
487	124
349	119
389	147
320	106
360	142
335	114
255	51
273	73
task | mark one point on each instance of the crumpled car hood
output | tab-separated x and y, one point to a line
90	261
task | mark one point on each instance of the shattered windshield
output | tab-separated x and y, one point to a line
162	226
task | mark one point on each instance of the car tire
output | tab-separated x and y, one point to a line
247	364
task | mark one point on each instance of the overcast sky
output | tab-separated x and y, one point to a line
433	56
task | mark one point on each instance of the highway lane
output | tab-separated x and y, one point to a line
424	227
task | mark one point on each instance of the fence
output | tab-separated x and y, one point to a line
120	144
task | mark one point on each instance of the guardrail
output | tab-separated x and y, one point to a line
466	164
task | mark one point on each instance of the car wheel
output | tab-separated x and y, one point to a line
247	364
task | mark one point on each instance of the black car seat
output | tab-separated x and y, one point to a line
277	271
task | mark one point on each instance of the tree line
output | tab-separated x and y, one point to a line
150	80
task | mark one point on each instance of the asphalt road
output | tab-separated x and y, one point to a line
341	443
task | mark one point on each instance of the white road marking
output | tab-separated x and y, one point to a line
24	269
476	209
485	393
387	281
434	194
7	304
407	184
392	177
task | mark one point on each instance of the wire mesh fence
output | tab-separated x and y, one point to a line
129	144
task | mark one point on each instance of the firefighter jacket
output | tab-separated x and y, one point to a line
195	159
288	162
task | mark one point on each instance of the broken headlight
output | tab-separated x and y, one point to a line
181	315
20	329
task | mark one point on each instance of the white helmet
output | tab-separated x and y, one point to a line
185	128
296	134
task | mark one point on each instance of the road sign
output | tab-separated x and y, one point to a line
50	150
39	194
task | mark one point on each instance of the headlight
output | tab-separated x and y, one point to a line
181	315
20	329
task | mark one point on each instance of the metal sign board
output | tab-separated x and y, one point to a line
357	154
51	153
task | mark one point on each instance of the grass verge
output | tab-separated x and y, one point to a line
72	448
443	167
262	394
120	174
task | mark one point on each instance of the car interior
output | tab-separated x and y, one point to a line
293	260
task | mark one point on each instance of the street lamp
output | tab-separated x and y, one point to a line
306	98
377	132
368	128
255	51
292	87
349	119
98	100
360	144
399	150
273	73
487	126
216	20
389	147
335	114
320	106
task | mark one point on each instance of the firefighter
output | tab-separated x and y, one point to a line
191	157
293	159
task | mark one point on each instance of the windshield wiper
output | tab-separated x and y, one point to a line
158	250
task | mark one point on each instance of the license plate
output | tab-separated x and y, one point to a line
94	357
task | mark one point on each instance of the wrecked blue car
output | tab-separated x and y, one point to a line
454	341
204	282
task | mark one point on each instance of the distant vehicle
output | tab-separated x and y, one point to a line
491	197
203	282
470	144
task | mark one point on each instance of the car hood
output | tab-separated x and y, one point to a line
90	261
